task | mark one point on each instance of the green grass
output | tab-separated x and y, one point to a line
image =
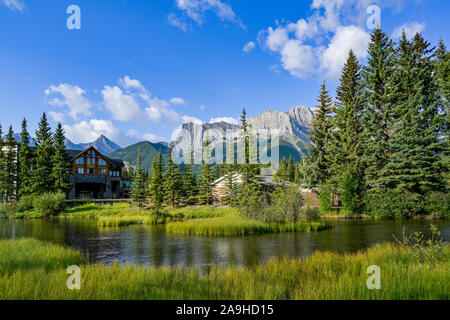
324	275
238	225
199	212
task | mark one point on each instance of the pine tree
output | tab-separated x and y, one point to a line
140	184
172	183
2	167
378	80
291	169
157	183
282	173
189	185
319	149
25	180
414	165
61	163
42	172
10	181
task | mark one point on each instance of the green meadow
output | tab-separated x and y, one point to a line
30	269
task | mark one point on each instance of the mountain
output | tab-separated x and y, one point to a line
16	137
148	150
102	144
293	127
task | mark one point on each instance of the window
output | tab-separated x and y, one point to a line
80	170
102	171
101	162
114	173
80	160
90	171
91	158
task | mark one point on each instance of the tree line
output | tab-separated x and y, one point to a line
26	171
383	142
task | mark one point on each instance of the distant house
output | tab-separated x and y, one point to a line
95	176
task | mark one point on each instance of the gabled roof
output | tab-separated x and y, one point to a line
76	153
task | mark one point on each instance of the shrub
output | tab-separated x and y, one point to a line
438	204
311	213
24	204
286	204
325	198
5	210
351	190
50	204
394	204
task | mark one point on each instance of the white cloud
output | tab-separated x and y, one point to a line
202	107
345	39
410	29
224	119
319	43
189	119
196	10
122	106
152	137
72	97
88	131
57	116
128	83
177	101
132	133
15	5
249	47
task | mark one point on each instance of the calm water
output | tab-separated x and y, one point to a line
152	247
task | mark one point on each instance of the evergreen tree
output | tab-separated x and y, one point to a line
139	186
319	149
414	165
346	142
248	192
291	169
205	188
25	163
42	172
172	183
10	186
61	163
378	80
157	183
2	167
189	185
282	173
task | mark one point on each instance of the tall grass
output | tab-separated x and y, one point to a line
238	225
324	275
204	212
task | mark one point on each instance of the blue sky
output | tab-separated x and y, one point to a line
137	69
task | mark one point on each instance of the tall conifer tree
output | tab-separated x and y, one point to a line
61	163
139	187
10	181
25	162
42	172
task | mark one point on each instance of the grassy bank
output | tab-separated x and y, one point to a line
321	276
238	225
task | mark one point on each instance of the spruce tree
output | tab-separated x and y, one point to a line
319	149
282	173
42	172
346	141
139	186
291	169
61	163
171	182
25	163
205	188
378	81
10	180
2	167
157	183
189	185
414	165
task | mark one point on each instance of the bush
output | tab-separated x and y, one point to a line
286	205
438	204
50	204
24	204
394	204
5	210
351	191
325	198
311	214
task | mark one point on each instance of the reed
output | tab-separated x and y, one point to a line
324	275
238	225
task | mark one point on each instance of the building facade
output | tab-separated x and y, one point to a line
95	176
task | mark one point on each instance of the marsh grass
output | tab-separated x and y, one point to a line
324	275
238	225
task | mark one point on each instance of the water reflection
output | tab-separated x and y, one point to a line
151	246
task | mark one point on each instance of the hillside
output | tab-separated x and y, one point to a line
148	150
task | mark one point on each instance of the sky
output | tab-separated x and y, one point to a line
136	70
